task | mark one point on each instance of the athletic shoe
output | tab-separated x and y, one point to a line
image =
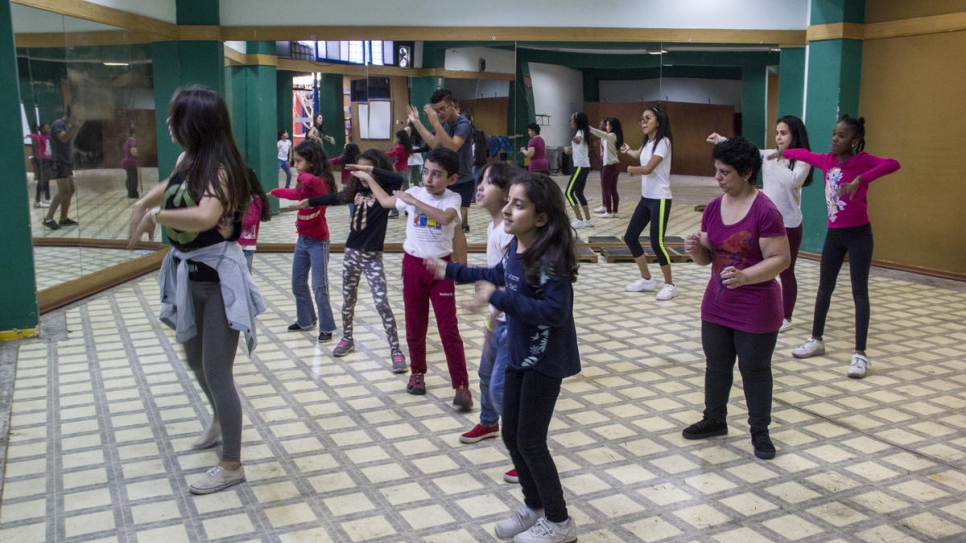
463	400
511	477
68	222
45	203
811	347
605	215
344	347
764	448
325	337
576	223
587	223
399	363
52	224
37	205
641	284
208	439
705	429
520	521
466	229
786	325
600	209
859	366
218	478
416	384
668	292
545	531
480	432
295	327
394	213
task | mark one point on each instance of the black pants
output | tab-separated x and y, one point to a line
575	187
42	177
656	212
754	351
857	243
528	401
132	182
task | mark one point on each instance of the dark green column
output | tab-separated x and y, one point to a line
754	86
18	297
791	82
832	89
331	106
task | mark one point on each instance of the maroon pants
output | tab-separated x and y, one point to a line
789	283
608	186
420	287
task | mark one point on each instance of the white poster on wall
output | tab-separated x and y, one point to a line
364	121
380	119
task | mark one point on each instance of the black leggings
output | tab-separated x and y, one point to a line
754	351
856	241
656	212
575	187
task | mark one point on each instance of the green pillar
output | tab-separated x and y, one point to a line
18	297
754	87
791	82
331	106
832	90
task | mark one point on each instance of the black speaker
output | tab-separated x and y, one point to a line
405	56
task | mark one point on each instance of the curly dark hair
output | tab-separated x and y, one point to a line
740	154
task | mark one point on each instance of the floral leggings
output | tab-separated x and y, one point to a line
354	264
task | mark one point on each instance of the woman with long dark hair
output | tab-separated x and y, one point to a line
207	292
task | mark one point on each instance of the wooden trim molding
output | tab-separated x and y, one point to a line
935	24
835	31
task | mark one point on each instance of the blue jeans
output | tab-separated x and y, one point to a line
283	164
312	254
492	376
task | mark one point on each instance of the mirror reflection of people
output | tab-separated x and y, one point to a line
284	146
611	139
317	132
579	148
130	163
536	150
62	168
200	209
743	238
40	138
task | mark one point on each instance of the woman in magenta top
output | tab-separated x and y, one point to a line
743	238
536	150
130	164
848	172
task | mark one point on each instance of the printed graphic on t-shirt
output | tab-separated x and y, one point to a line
731	253
833	201
422	220
363	203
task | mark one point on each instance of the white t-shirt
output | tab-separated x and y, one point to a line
283	147
657	184
581	151
425	238
497	240
783	186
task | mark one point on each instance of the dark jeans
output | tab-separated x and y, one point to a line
528	401
857	243
721	346
788	280
211	355
131	182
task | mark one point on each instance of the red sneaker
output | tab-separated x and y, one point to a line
463	400
480	432
511	477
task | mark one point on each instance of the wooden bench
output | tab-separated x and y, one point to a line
623	254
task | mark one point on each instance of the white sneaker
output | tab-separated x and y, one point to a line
859	366
576	223
521	521
217	478
786	325
604	215
600	209
668	292
545	531
641	285
209	438
811	347
587	223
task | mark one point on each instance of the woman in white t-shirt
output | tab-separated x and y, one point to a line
580	150
284	155
655	204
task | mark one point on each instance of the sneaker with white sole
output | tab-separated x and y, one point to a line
587	223
811	347
600	209
209	438
641	284
521	521
786	325
218	478
667	292
344	347
576	223
606	215
545	531
859	366
399	363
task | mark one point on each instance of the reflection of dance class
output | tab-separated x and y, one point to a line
576	283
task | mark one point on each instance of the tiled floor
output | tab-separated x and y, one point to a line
104	411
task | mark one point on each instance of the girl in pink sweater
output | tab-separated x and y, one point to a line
848	172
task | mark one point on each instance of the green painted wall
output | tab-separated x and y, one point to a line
837	11
198	12
18	297
754	89
791	82
251	101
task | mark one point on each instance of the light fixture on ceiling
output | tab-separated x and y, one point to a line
660	51
116	64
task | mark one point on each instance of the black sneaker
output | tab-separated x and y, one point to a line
704	429
466	229
52	224
325	337
294	327
761	441
68	222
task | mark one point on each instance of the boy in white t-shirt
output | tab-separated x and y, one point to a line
433	215
284	155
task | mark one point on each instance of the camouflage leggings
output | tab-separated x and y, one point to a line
354	264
